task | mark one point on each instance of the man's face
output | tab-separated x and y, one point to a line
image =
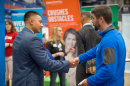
95	22
36	23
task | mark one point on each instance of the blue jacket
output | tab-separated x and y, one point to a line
30	58
110	56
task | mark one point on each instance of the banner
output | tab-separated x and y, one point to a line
17	16
2	44
63	13
114	9
126	35
66	14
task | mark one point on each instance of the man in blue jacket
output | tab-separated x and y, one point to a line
110	53
29	55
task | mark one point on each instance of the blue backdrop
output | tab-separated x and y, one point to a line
17	16
2	44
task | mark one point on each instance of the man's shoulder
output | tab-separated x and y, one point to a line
81	30
25	36
28	33
86	27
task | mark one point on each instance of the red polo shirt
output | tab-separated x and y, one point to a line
9	38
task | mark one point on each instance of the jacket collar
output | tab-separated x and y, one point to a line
111	27
26	29
86	24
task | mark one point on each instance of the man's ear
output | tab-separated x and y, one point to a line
83	20
31	21
101	19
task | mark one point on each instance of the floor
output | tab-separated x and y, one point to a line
127	79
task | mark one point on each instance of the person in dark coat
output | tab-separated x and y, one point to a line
87	38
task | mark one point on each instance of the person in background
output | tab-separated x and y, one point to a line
10	34
30	57
56	46
70	41
44	38
87	38
110	53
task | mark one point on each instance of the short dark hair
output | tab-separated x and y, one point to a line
104	11
86	14
29	14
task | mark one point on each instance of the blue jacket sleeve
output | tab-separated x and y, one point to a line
39	54
88	55
106	71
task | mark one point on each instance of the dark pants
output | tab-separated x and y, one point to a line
81	73
53	76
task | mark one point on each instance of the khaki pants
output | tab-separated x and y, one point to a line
9	68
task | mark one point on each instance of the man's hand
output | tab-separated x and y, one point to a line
93	72
85	83
74	62
71	60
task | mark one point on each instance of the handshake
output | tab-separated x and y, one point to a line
74	62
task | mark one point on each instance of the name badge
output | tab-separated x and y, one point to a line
8	37
54	45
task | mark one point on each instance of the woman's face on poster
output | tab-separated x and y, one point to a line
70	40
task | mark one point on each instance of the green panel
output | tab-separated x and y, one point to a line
47	81
114	9
87	8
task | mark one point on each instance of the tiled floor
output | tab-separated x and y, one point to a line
127	79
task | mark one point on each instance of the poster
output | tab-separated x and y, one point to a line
17	16
66	14
63	13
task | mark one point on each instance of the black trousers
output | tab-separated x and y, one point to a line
81	73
